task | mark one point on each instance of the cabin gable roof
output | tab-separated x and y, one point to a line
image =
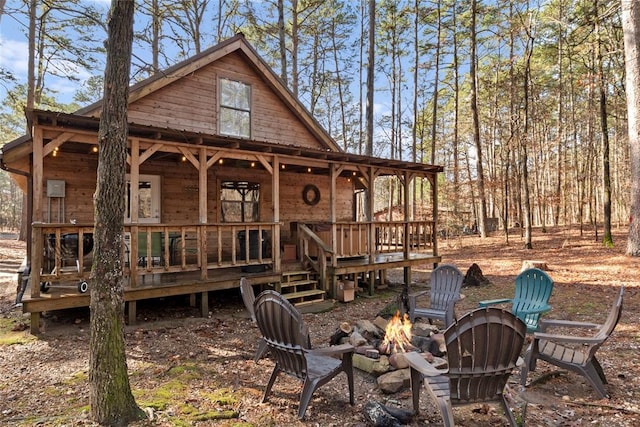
184	97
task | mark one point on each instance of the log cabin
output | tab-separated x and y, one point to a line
228	176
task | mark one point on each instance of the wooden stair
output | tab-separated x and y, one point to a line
300	288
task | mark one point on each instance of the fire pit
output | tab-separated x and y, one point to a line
380	345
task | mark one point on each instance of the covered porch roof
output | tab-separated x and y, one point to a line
75	131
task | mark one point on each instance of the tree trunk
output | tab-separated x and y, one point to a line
606	174
631	26
282	42
111	400
526	203
370	84
482	214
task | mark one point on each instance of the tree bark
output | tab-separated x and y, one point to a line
111	400
631	26
482	214
606	173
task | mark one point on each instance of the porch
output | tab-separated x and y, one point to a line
162	260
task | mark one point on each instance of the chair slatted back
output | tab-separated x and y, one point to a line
445	282
533	290
482	349
610	324
248	297
283	329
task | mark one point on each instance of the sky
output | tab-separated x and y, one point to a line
14	53
14	57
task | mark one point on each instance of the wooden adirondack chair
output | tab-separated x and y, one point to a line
249	297
445	283
482	350
574	352
287	337
531	300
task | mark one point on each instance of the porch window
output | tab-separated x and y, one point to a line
240	201
235	108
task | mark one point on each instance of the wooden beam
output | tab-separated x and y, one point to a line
37	173
149	152
56	143
189	156
214	158
265	164
406	250
275	183
202	205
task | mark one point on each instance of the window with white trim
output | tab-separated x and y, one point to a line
235	108
148	199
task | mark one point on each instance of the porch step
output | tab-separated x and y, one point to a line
300	288
311	296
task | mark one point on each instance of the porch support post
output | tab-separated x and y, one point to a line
332	282
38	161
134	199
36	238
275	188
372	231
406	178
202	209
434	234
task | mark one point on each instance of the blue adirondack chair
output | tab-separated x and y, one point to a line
531	300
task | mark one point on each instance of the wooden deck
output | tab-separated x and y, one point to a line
151	286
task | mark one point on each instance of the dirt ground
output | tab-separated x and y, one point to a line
189	371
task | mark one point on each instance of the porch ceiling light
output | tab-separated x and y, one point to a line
309	170
282	166
253	164
221	161
183	158
94	149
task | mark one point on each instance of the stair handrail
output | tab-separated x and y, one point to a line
305	235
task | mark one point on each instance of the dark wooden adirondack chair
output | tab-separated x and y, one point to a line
531	300
445	283
287	337
249	297
482	350
574	352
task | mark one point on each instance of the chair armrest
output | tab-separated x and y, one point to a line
489	302
566	338
418	293
334	350
547	323
541	309
418	363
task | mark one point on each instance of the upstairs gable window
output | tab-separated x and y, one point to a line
235	109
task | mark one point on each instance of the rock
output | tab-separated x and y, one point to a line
474	277
381	322
423	329
369	330
398	361
394	381
438	346
356	340
421	343
372	366
377	416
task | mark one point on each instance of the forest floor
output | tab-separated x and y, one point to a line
191	371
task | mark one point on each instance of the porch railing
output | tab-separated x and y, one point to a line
353	238
61	253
